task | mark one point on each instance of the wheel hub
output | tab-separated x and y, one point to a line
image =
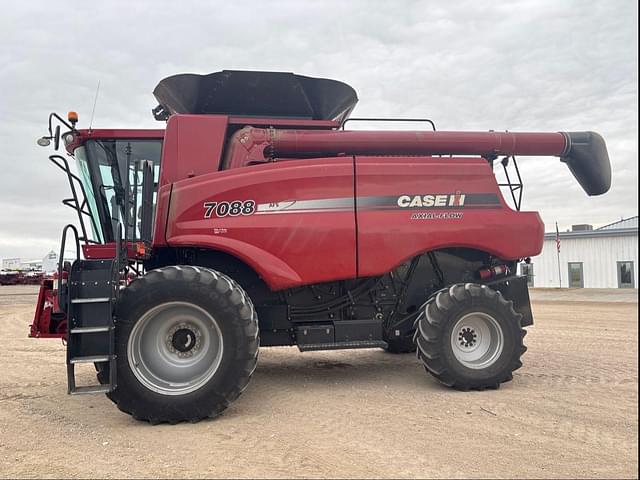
184	340
467	337
477	340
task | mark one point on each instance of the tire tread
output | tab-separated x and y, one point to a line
431	324
233	299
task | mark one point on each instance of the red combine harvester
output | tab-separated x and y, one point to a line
255	218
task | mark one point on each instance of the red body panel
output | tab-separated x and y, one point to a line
285	245
43	325
192	146
108	250
388	237
161	215
304	228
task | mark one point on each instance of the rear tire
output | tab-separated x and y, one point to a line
186	343
470	337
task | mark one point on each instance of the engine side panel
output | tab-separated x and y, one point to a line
410	205
293	222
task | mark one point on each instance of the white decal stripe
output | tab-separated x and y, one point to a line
306	210
307	205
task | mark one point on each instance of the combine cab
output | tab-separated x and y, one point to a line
255	218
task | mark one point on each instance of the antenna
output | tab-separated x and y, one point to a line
95	100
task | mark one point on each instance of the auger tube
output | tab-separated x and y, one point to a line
585	153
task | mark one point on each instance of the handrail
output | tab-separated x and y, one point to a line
61	264
515	186
362	119
121	247
62	163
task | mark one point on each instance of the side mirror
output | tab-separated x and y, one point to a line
56	138
146	216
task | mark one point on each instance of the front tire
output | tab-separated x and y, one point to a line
470	337
186	343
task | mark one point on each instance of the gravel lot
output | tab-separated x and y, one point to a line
571	411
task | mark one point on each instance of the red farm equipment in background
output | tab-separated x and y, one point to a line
255	218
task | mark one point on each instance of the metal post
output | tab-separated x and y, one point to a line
127	206
558	252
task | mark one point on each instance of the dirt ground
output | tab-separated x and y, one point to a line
571	411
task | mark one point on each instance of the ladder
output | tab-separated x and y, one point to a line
92	292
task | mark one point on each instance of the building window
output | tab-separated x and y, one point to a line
576	277
625	275
526	269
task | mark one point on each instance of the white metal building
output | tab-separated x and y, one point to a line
48	264
606	257
11	263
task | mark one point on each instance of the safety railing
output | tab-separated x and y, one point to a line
82	209
62	286
392	120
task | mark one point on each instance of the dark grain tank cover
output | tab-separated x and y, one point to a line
254	94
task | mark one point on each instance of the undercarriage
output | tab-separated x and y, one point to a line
358	313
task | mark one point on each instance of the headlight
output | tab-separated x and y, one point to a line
44	141
68	138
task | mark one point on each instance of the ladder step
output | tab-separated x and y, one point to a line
80	330
91	389
91	300
91	359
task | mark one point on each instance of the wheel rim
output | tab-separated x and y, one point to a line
477	340
175	348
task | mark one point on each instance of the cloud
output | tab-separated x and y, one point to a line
517	65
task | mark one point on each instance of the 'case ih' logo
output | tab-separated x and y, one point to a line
422	201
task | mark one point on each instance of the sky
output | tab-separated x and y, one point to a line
534	65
